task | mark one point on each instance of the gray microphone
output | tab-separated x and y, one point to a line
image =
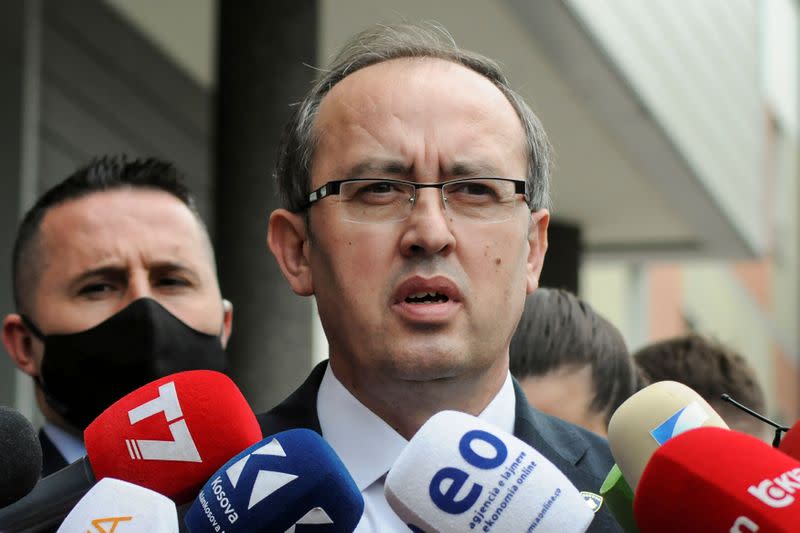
20	456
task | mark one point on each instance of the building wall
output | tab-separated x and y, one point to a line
87	84
110	90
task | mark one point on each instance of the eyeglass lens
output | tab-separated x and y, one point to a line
479	200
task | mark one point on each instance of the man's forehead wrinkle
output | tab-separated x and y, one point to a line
407	161
110	271
92	241
377	167
472	169
373	118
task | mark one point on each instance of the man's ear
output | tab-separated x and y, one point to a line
227	321
537	239
19	343
287	238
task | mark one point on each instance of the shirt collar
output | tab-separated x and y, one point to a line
501	411
366	444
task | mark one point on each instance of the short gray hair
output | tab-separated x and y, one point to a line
383	43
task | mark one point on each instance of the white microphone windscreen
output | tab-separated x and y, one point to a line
461	474
114	505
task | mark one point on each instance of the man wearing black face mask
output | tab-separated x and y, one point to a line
115	285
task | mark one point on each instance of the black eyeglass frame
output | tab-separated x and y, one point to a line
332	188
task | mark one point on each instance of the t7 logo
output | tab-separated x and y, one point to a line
181	447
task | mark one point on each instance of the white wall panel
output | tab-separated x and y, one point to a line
694	66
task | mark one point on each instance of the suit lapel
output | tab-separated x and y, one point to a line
545	435
298	410
52	460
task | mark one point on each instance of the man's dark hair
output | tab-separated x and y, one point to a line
102	174
558	330
384	43
708	367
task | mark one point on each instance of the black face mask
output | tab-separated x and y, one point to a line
83	373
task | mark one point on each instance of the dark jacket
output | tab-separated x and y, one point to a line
52	460
581	455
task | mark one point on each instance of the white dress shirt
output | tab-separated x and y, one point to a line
70	446
368	446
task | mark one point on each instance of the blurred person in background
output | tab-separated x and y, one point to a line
570	361
711	369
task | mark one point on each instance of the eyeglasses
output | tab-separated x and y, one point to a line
387	200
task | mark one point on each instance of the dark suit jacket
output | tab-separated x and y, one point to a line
581	455
52	460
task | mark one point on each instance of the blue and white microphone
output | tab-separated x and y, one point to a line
650	418
282	483
461	474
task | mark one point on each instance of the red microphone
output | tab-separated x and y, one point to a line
713	479
790	445
170	436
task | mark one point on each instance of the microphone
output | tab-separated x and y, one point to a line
460	474
650	418
790	445
173	433
713	479
20	456
113	504
618	495
283	482
776	440
169	436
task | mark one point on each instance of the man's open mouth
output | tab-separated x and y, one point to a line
426	298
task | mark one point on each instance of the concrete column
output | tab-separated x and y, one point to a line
263	50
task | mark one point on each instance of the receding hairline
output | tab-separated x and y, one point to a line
33	256
417	60
336	92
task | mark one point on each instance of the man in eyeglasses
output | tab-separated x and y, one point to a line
414	185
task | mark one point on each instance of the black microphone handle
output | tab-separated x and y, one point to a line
50	501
